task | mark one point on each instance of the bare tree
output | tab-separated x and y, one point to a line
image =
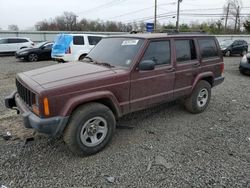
13	27
234	10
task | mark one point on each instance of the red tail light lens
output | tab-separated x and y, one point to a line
68	51
222	68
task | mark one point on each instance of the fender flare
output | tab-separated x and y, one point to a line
201	76
76	101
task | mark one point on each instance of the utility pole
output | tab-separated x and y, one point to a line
178	14
236	19
225	28
155	21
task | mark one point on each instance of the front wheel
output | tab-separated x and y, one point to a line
33	57
200	97
90	129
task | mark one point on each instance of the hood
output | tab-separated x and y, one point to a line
26	50
67	73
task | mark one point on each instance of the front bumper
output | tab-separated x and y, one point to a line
21	56
52	126
245	68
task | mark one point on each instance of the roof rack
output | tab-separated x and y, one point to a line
176	32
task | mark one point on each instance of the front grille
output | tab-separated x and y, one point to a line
26	95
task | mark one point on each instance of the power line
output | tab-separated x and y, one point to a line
183	13
105	5
140	10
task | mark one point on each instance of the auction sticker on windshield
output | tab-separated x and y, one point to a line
129	42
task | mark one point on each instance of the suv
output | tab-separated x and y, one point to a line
12	44
230	47
122	74
73	47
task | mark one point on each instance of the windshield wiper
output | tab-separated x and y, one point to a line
98	63
104	64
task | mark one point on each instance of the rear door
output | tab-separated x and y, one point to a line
14	44
187	66
153	86
236	47
78	46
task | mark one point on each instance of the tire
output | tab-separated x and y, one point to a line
228	53
82	57
90	129
244	52
200	98
33	57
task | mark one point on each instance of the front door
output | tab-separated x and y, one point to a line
153	86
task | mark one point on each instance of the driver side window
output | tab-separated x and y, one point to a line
159	52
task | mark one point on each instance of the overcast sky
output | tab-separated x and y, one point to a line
25	13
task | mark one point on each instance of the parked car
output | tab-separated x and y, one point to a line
12	44
245	64
41	51
122	74
230	47
73	47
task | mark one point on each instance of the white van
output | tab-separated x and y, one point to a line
73	47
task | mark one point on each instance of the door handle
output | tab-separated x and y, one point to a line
170	69
196	64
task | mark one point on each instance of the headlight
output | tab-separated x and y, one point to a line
35	105
244	59
22	53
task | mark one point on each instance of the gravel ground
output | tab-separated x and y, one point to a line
160	147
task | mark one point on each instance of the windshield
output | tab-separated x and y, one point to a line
116	51
226	43
38	45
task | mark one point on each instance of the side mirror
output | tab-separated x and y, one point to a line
146	65
42	47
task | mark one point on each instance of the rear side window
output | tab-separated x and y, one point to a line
78	40
185	51
159	52
208	48
93	40
17	40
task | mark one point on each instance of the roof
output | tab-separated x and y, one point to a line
158	35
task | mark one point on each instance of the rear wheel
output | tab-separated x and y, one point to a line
33	57
200	97
90	129
82	57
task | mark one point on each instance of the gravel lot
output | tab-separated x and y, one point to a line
161	147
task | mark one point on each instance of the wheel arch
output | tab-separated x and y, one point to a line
82	55
207	76
105	98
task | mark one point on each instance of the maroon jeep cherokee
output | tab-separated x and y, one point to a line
122	74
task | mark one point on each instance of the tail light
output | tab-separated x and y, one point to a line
222	68
68	51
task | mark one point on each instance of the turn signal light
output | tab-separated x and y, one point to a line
46	106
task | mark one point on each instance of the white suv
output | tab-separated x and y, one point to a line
73	47
12	44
